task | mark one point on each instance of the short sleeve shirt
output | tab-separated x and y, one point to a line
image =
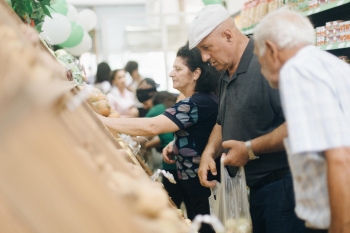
121	102
250	108
196	117
315	93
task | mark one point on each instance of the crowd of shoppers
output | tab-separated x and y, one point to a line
277	94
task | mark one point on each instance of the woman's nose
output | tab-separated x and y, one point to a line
171	74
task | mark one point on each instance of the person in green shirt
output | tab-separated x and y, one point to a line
161	101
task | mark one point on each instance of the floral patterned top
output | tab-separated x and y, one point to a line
196	117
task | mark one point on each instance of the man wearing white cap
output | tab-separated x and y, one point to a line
250	125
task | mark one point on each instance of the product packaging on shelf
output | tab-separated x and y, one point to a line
262	9
333	32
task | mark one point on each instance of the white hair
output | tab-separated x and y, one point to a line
285	28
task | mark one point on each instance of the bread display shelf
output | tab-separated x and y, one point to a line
63	170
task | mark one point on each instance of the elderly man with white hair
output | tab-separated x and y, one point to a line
250	125
315	91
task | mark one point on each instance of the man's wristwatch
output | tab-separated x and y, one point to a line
251	154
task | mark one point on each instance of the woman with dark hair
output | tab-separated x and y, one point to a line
192	120
121	99
103	74
132	67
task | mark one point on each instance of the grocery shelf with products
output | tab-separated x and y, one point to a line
253	11
324	7
331	19
332	27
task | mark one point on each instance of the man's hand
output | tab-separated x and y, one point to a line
338	175
207	164
168	154
237	155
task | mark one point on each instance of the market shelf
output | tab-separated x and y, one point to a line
340	45
313	13
248	31
325	7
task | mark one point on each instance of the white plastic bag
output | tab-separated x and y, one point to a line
208	219
229	201
166	174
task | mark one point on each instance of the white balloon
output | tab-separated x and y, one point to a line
72	13
87	19
84	46
56	29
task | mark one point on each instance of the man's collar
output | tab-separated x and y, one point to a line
243	63
246	57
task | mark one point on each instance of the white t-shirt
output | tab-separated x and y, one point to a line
121	102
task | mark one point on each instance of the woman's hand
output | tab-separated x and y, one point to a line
168	154
133	112
100	116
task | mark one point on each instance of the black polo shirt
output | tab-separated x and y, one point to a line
250	108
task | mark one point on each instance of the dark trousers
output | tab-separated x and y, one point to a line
177	192
200	205
272	208
316	231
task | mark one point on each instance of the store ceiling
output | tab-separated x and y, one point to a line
105	2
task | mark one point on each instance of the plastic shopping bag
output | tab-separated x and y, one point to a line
229	201
208	219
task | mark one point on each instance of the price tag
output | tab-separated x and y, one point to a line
340	2
309	12
317	10
329	47
341	45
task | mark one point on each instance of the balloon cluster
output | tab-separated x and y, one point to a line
69	29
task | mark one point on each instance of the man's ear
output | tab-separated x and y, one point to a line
271	49
227	34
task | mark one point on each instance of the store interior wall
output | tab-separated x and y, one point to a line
146	31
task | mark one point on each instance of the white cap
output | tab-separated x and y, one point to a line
205	22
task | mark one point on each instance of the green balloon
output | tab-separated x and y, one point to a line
75	37
208	2
60	7
58	1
